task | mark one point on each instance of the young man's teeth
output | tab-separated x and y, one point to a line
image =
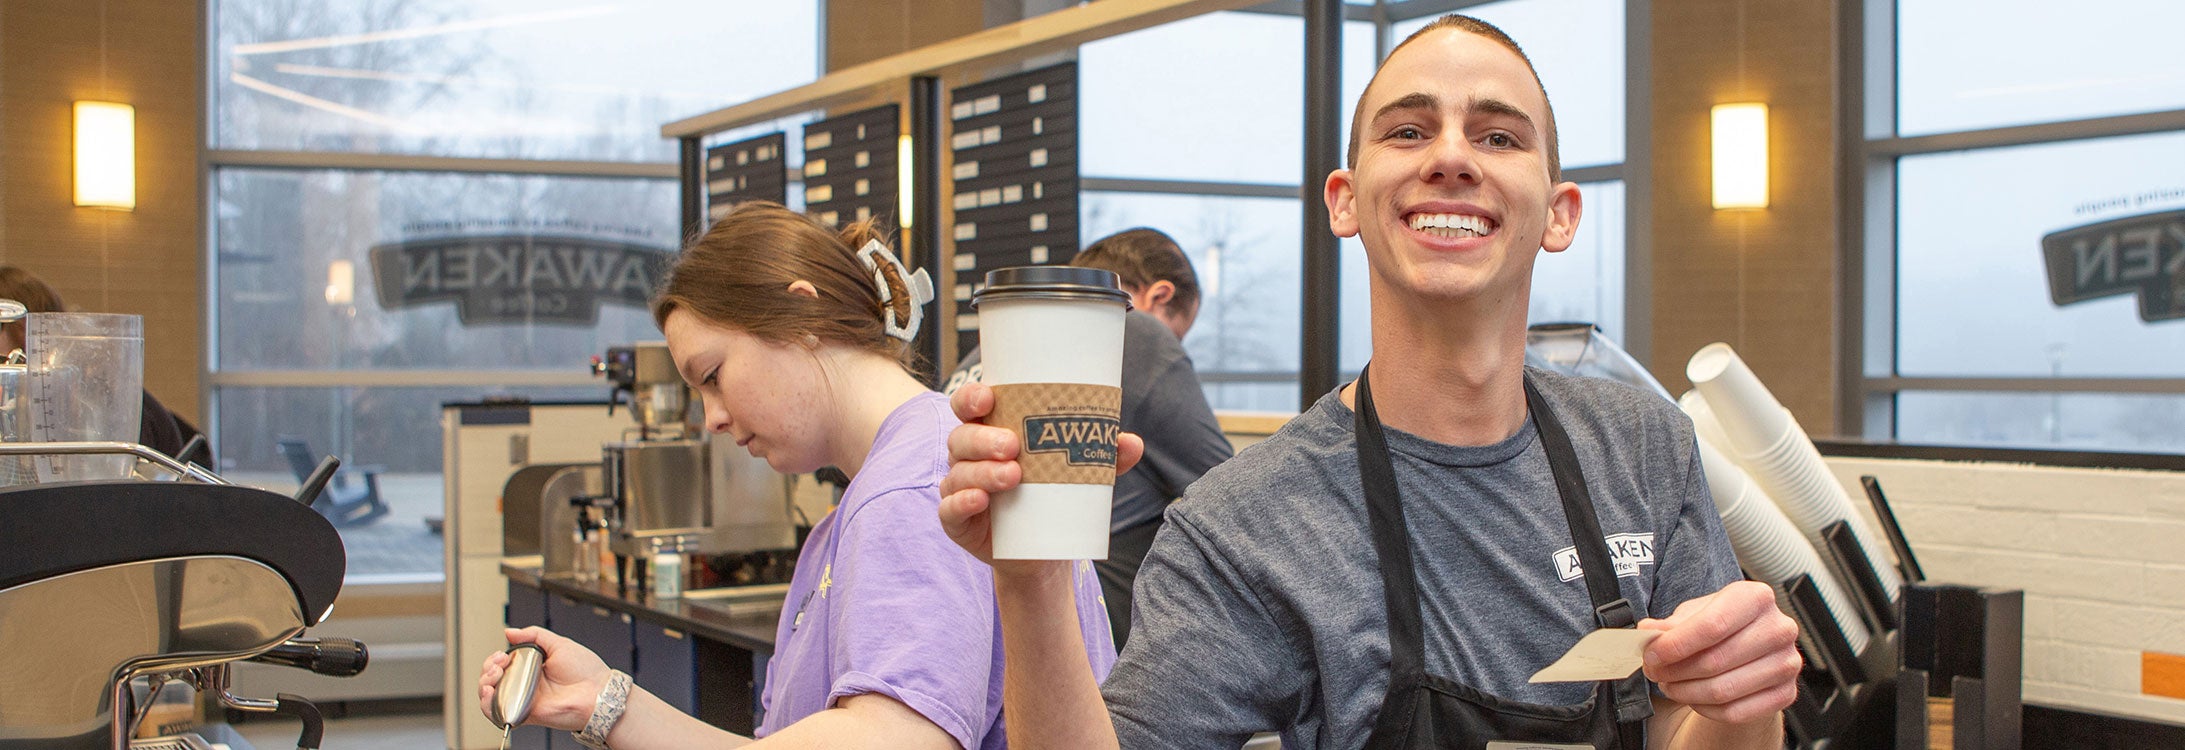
1450	225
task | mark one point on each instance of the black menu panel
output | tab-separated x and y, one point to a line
850	168
1014	166
748	170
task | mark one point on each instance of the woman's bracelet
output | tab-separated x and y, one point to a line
606	711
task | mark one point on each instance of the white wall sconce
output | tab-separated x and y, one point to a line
1741	155
106	155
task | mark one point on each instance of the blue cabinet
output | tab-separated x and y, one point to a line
667	665
605	631
526	606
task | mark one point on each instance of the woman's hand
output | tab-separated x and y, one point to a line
570	680
982	461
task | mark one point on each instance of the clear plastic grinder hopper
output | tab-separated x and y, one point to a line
82	381
13	469
1580	349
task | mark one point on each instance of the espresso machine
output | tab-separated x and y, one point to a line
106	584
667	484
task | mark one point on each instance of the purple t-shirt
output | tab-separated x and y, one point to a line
884	603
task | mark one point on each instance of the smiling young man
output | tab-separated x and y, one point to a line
1390	568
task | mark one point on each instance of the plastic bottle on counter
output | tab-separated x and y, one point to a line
667	569
584	561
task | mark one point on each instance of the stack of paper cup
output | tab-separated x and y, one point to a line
1051	339
1775	452
1703	419
1768	546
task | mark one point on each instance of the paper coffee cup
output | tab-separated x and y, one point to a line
1051	343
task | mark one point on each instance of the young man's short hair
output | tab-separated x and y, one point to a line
1474	26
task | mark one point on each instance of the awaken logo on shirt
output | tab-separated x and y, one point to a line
1626	551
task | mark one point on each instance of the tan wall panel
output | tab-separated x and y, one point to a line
1764	281
861	31
146	262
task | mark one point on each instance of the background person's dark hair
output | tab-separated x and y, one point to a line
738	274
1141	257
1474	26
36	296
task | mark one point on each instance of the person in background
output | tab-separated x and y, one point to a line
797	342
160	429
1162	401
1391	567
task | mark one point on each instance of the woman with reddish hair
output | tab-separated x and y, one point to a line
796	338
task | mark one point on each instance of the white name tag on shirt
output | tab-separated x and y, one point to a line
1605	654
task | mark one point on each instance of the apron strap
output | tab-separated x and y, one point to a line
1610	608
1391	541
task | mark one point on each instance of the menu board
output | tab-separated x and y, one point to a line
850	168
748	170
1014	145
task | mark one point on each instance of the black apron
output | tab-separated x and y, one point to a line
1423	710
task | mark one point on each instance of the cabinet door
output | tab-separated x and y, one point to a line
604	631
727	693
526	606
667	665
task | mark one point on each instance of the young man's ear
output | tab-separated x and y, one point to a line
1565	203
1341	197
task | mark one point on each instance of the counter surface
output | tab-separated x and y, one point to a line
740	624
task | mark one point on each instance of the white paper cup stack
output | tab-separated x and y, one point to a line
1775	452
1768	546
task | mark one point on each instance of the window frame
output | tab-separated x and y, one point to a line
1871	147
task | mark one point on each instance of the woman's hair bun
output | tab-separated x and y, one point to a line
855	234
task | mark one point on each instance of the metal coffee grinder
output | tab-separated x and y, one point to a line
670	486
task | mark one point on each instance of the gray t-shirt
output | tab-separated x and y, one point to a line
1260	606
1162	402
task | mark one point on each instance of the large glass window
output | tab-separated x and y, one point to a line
2059	419
391	433
1245	251
342	315
495	78
1229	124
1217	97
2035	285
1973	287
283	234
1972	64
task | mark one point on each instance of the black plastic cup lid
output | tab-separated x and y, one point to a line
1052	281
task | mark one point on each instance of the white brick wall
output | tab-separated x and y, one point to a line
2100	554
